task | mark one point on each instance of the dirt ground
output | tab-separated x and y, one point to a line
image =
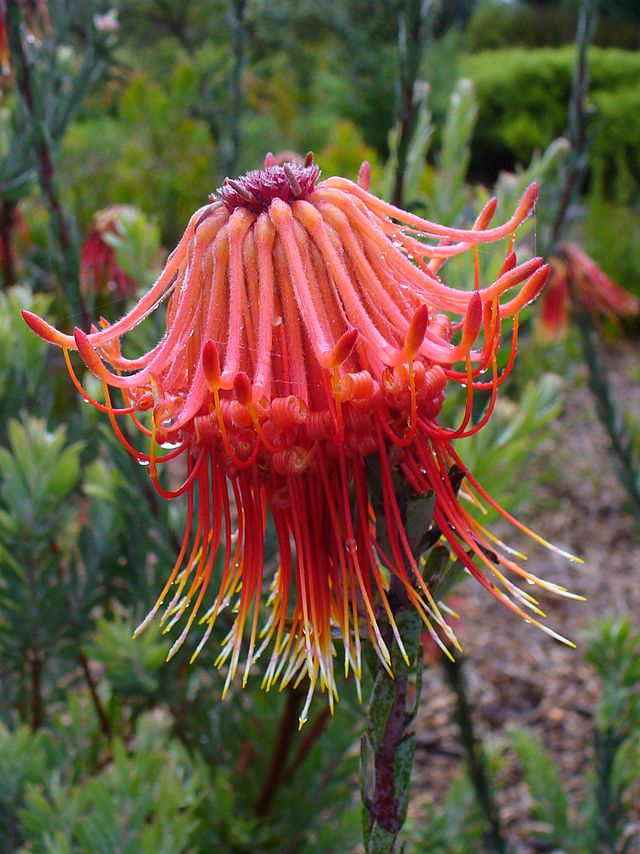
515	673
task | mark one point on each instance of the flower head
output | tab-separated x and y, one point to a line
5	58
307	329
573	271
99	268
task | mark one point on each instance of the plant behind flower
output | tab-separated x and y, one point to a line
574	273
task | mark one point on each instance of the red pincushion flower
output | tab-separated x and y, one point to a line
5	58
572	268
99	268
306	329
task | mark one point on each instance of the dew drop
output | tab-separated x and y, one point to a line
143	462
277	321
351	545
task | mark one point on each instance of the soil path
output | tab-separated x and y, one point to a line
516	674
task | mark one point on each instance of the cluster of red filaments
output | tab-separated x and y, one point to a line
99	267
575	275
307	328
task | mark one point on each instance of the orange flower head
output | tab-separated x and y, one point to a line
307	330
99	268
575	272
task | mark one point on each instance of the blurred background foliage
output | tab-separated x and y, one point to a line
103	746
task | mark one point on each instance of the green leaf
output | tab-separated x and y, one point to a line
405	753
419	523
381	703
380	841
133	666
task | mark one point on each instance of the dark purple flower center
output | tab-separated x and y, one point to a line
258	188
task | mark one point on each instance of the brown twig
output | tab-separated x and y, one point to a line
7	224
105	724
286	731
36	690
313	734
246	752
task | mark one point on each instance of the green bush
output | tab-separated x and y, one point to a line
153	153
522	97
615	157
495	24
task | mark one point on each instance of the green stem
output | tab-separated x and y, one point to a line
621	444
411	35
609	812
476	759
576	119
238	23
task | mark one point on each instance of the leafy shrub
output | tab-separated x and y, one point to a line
604	821
495	24
153	153
615	156
143	801
522	96
23	760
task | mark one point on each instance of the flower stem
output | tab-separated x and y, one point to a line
476	759
388	747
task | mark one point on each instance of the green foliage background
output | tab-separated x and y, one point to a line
104	747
